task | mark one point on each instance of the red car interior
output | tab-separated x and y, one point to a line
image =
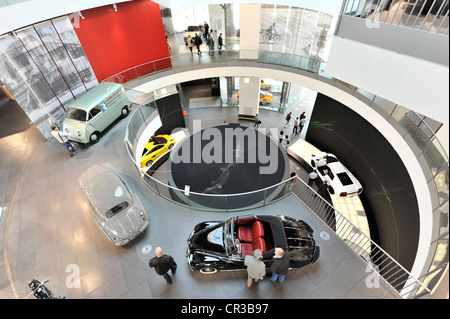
250	233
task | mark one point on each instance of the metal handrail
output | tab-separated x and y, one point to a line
348	223
278	62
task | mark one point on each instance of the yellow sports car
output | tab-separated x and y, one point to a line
155	147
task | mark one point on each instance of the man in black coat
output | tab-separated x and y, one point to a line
220	41
162	264
279	265
198	41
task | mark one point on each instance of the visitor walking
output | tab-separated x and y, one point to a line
162	264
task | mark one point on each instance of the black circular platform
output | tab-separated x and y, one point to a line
227	159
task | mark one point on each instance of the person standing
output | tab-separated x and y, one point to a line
198	42
323	189
295	130
220	42
302	123
190	43
162	264
61	137
279	265
288	119
281	137
211	43
206	30
302	116
257	121
312	177
286	141
256	269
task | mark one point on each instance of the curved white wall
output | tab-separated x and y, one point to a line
413	167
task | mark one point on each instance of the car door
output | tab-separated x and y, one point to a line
97	118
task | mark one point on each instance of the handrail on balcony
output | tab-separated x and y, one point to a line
408	287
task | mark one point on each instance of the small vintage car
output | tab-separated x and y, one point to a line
222	245
156	147
191	31
339	179
118	212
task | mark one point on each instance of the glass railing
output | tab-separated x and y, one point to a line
409	124
425	15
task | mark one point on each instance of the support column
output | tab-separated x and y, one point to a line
249	95
250	26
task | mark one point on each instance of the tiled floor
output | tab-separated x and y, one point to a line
48	229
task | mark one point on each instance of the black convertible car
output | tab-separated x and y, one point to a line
223	245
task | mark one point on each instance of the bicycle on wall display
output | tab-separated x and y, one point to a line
270	34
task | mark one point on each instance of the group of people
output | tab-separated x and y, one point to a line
299	122
209	37
256	268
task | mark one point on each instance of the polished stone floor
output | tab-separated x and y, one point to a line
48	231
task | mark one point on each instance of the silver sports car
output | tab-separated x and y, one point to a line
117	211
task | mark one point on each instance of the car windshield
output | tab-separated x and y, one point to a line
192	28
159	140
116	209
331	159
76	114
228	237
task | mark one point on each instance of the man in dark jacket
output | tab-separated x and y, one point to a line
198	41
279	265
220	43
162	264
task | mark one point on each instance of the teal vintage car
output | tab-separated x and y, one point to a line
90	114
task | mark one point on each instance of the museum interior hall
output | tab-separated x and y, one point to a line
216	130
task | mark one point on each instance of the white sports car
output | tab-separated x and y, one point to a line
338	177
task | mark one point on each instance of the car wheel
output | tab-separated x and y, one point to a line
263	102
125	112
331	190
149	163
94	138
313	164
208	270
170	146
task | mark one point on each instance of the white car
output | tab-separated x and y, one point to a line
339	179
191	31
118	212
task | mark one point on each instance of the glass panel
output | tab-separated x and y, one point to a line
400	115
441	180
433	156
126	76
179	196
207	202
386	105
150	182
247	201
419	137
145	69
277	192
163	64
443	220
368	95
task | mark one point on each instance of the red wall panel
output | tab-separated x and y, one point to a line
116	41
